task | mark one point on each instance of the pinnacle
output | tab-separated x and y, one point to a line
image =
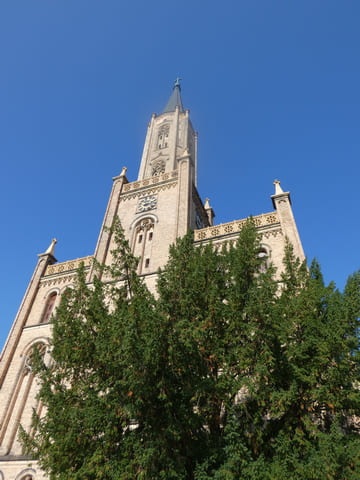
51	248
278	189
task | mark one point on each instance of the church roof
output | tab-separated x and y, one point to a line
175	99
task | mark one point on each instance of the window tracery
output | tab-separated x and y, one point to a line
41	348
158	168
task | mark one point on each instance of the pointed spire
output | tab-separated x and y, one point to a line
175	98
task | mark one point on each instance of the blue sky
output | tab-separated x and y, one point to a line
273	88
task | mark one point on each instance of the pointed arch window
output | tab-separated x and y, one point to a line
25	475
163	136
50	303
142	243
263	255
40	347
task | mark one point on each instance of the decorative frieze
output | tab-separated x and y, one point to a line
150	181
272	233
68	266
148	191
58	280
264	220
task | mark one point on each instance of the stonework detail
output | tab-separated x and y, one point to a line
264	220
144	225
150	181
271	233
149	191
69	265
158	168
58	280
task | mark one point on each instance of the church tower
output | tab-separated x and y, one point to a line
160	206
169	138
163	203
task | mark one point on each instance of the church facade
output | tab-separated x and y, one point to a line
161	205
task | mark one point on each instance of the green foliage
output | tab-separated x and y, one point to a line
230	373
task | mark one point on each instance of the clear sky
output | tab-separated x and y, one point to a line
273	88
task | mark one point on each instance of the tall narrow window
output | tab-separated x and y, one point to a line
48	308
142	243
263	255
163	136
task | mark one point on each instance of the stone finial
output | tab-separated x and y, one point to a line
207	204
186	152
51	248
209	212
123	172
278	189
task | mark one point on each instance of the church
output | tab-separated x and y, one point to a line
160	206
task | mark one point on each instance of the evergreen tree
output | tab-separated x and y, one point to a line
115	402
230	373
297	419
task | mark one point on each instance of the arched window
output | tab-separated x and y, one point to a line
48	308
263	255
163	135
28	474
142	243
41	348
